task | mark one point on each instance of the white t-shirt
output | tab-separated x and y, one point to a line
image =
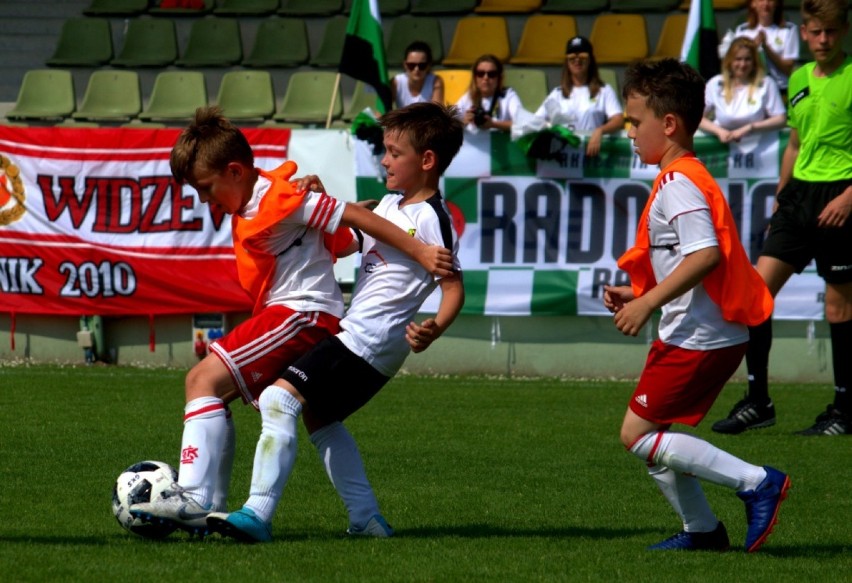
304	273
765	102
403	95
392	286
506	109
784	40
579	111
679	223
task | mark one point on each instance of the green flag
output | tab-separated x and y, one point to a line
364	51
701	41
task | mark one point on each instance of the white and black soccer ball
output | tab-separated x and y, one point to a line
142	482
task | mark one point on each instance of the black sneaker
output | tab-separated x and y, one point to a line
745	415
715	540
829	422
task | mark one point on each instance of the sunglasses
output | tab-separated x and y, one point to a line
581	58
490	74
412	66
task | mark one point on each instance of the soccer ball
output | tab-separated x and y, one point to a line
142	482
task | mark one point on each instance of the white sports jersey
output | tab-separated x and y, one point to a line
579	111
784	40
679	223
765	102
403	95
304	271
392	286
506	109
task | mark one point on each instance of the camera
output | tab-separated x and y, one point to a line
480	116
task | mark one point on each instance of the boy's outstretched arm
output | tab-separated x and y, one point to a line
437	260
420	336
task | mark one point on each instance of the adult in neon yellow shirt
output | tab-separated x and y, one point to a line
812	217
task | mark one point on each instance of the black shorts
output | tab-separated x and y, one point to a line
333	380
795	238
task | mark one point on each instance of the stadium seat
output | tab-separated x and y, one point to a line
507	6
116	7
110	96
175	96
725	4
405	29
394	7
173	9
331	45
477	35
144	125
246	7
280	42
670	41
610	77
45	94
435	7
529	84
246	95
363	96
575	6
310	7
83	42
456	83
213	42
631	35
544	38
308	97
642	6
148	42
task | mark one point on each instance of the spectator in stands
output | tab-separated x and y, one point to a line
583	102
418	82
487	104
777	39
742	99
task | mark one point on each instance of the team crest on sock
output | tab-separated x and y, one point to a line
188	454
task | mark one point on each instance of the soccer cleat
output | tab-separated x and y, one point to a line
762	505
176	508
715	540
243	525
377	527
745	415
829	422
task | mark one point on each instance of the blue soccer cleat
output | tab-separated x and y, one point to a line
715	540
761	506
243	525
377	527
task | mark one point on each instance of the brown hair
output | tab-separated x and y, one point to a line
473	91
429	126
212	141
593	79
825	10
757	72
668	86
777	14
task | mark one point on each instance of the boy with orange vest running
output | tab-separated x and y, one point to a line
284	235
687	261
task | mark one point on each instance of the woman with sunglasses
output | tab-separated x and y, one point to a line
583	102
417	83
742	99
487	105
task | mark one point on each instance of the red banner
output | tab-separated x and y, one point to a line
91	222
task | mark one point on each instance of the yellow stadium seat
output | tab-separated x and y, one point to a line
619	38
456	83
544	38
478	35
507	6
670	42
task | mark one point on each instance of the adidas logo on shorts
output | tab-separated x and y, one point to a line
642	400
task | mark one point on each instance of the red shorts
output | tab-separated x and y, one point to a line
257	351
680	385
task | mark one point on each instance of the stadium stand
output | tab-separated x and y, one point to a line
331	46
478	35
507	6
175	96
544	38
280	42
310	7
111	95
245	7
213	42
83	42
406	29
179	8
530	85
670	39
631	35
443	7
116	7
308	97
456	82
46	95
246	96
575	6
148	42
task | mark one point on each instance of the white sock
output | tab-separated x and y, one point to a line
226	465
276	450
685	495
688	454
204	429
342	461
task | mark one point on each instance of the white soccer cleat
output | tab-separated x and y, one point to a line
174	506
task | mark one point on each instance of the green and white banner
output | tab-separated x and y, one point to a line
542	237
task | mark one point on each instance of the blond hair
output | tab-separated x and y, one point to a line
757	72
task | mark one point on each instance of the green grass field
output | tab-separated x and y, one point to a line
483	480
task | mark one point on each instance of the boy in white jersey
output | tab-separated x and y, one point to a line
689	262
339	375
283	239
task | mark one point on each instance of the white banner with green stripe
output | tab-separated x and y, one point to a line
542	237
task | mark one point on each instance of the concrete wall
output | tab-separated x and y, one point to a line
557	346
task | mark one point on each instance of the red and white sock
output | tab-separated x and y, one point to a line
204	431
226	465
